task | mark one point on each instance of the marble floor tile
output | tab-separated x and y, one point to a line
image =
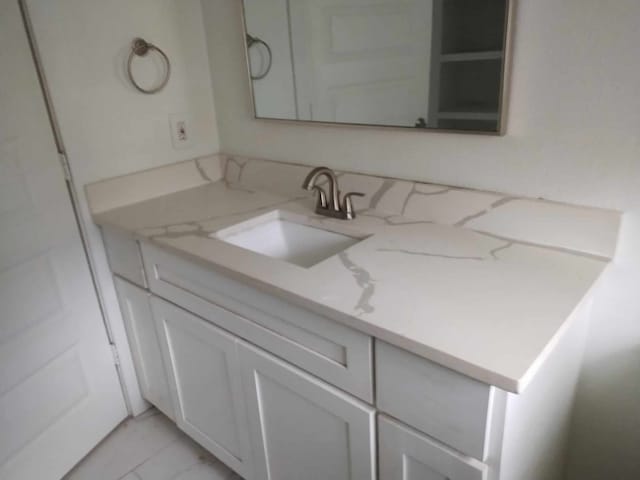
150	447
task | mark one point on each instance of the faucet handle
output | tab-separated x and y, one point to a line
347	204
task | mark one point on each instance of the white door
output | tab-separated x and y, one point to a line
59	389
362	61
302	428
204	378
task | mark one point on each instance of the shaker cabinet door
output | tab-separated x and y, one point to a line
205	383
145	346
302	428
406	454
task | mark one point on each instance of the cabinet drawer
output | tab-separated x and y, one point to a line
445	405
123	252
331	351
407	455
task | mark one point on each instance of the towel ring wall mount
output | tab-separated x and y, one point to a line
141	48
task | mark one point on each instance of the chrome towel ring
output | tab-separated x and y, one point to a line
251	41
141	48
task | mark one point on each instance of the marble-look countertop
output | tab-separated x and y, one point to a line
486	306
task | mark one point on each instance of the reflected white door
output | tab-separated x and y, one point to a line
274	95
59	389
362	61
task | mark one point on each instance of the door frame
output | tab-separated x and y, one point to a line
95	253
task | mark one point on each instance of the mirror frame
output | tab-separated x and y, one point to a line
505	88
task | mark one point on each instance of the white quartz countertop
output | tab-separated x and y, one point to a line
485	306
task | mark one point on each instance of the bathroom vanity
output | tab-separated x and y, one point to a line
436	336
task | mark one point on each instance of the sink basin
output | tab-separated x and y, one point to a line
276	236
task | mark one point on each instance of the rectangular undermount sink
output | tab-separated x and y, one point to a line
277	235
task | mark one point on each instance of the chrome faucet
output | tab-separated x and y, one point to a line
329	205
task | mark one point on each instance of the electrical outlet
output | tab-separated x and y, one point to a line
181	130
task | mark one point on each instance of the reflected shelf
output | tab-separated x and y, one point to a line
469	115
471	56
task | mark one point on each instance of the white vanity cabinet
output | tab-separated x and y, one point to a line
204	378
302	428
277	392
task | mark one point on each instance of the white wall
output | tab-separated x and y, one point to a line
573	135
109	128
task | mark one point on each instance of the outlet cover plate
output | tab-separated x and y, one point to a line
182	133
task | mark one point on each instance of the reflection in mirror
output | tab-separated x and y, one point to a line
413	63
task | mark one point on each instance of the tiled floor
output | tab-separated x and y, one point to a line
150	447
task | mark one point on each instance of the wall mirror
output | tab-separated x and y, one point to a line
420	64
